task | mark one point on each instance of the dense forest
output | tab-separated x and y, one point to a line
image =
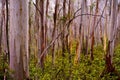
59	40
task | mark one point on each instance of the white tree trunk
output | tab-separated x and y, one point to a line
113	26
19	38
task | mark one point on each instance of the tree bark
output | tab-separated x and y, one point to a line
19	39
54	29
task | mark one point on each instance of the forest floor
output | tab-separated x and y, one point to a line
63	69
85	69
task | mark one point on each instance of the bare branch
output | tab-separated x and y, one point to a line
67	24
37	8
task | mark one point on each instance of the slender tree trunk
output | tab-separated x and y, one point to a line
37	30
93	32
7	31
2	24
54	30
68	36
42	32
3	49
109	68
63	33
46	23
110	52
117	41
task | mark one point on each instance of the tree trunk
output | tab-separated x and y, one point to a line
2	24
19	39
54	29
63	33
109	68
112	33
42	32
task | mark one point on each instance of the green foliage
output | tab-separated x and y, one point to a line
4	67
63	19
66	17
116	58
84	70
92	6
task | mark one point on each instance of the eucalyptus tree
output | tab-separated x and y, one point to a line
2	22
54	29
111	39
41	28
42	32
63	33
18	39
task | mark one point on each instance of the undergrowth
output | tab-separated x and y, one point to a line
84	70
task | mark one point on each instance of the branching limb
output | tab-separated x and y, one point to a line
67	24
37	8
